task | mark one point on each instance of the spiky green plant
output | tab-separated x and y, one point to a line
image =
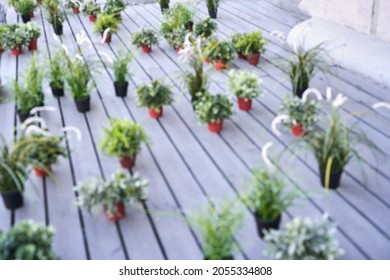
212	6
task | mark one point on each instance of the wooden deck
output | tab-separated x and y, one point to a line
187	166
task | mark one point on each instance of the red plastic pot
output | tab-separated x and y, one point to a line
1	50
215	127
127	162
146	48
155	114
207	60
178	49
75	10
297	130
241	55
220	65
16	51
41	172
33	46
253	58
119	214
92	18
245	104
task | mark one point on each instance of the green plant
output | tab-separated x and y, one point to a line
57	71
213	108
154	95
205	28
299	112
25	102
115	7
33	79
145	36
175	37
56	18
33	31
91	8
235	39
123	138
244	84
120	66
304	239
104	22
73	3
16	37
217	228
164	4
180	14
25	7
223	51
52	6
250	43
121	187
212	6
4	29
27	241
267	195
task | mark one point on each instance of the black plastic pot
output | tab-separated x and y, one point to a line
26	18
224	259
23	116
12	200
121	89
57	92
213	13
300	90
266	225
57	29
334	179
189	26
83	105
164	7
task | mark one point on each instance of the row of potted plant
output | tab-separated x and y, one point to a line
14	37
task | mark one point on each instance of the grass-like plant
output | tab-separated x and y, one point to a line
205	28
212	7
57	71
213	108
145	37
26	7
154	95
120	66
106	22
244	84
56	19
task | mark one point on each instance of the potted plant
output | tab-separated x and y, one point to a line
79	80
302	116
181	15
4	28
212	7
251	45
24	101
33	79
113	195
145	38
121	73
15	39
246	86
302	66
217	227
115	7
26	9
33	31
205	28
213	109
123	139
56	19
12	175
91	9
268	198
27	240
74	5
106	25
57	73
221	53
164	5
304	239
154	96
239	48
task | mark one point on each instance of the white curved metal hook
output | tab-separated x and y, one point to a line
275	123
75	130
32	120
43	108
264	154
33	128
379	105
314	91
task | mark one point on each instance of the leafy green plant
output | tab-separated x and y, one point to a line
299	112
244	84
145	36
25	7
57	70
104	22
205	28
123	138
91	8
223	51
164	5
115	7
52	6
56	19
4	29
212	6
176	37
304	239
236	39
16	37
73	3
250	43
213	108
217	228
95	195
120	66
154	95
180	14
267	195
33	31
27	241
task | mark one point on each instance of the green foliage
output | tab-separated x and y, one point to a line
27	241
57	70
154	95
180	14
33	31
267	195
205	28
73	3
164	4
235	39
52	6
16	37
304	239
212	6
123	138
115	7
56	19
145	36
121	187
120	66
91	8
105	21
176	38
4	29
250	43
213	108
223	51
244	84
217	228
25	7
299	112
